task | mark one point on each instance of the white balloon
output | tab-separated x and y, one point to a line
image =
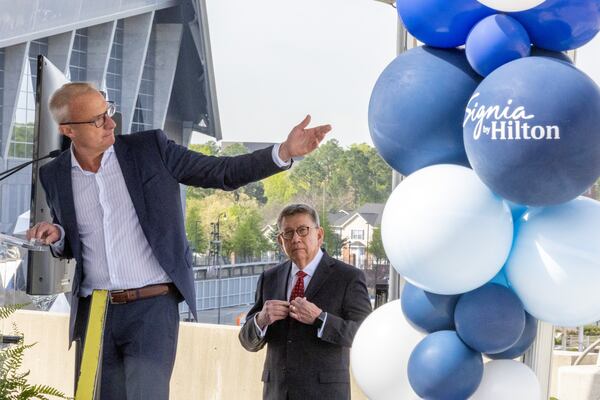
380	353
554	265
511	5
507	379
445	231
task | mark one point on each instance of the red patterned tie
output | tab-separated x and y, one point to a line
298	290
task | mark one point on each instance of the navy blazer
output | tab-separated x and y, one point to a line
153	167
299	365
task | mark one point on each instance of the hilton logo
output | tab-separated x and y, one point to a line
506	123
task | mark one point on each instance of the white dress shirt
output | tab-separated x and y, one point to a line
116	253
309	270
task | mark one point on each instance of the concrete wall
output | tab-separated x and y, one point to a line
210	364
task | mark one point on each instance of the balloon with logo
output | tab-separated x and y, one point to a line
511	5
554	266
380	352
445	231
442	367
494	41
561	25
507	379
439	23
531	142
416	108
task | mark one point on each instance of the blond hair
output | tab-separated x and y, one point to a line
62	98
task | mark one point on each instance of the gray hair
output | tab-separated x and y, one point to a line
62	97
298	208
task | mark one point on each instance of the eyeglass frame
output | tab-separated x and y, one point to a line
296	231
110	112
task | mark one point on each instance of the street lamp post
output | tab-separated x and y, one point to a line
216	251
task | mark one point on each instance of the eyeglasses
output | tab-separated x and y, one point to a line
100	120
302	231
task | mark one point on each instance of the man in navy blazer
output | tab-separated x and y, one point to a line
307	312
117	210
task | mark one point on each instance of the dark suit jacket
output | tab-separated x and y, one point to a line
299	365
153	167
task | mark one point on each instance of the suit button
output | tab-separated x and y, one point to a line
289	340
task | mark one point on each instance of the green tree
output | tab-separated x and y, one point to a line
279	188
247	239
195	231
332	241
376	247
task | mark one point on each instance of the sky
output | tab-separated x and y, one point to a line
277	60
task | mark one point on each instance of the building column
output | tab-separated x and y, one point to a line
168	43
59	50
136	36
99	43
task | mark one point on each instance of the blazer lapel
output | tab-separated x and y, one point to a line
282	281
65	198
131	175
321	275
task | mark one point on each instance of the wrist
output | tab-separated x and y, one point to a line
284	153
260	322
319	320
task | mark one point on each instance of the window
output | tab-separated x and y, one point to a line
143	115
78	63
114	75
357	234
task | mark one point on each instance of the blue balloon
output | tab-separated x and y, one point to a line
531	142
495	41
442	367
426	311
417	106
440	23
500	279
538	52
490	319
517	210
524	342
561	25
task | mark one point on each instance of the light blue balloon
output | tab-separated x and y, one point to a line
441	23
554	266
445	231
495	41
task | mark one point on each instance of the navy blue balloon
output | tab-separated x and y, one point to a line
538	52
428	312
494	41
532	142
442	367
561	25
441	23
417	107
490	319
524	342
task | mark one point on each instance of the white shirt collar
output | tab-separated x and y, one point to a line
311	267
105	157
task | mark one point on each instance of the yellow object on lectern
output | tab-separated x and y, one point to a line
92	351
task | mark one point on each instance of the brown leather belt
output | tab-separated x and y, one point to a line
128	295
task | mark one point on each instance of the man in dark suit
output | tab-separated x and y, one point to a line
308	332
117	211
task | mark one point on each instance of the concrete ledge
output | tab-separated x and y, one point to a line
210	363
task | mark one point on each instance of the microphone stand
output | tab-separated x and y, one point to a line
14	170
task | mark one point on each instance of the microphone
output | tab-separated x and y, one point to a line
9	172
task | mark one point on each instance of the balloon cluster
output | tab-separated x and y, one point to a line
497	141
